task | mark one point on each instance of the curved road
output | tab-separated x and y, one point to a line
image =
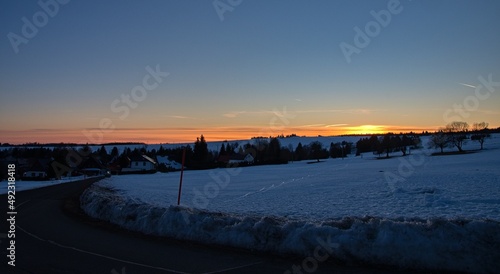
54	236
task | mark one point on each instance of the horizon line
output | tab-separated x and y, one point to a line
178	135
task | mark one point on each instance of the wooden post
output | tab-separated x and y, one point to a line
182	173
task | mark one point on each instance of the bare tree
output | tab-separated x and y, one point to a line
457	127
457	134
480	132
439	140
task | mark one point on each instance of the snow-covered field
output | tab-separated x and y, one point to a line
418	211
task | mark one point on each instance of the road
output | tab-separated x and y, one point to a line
53	235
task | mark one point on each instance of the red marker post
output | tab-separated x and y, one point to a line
182	173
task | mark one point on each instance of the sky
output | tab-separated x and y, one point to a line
169	71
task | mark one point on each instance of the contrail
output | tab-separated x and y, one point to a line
467	85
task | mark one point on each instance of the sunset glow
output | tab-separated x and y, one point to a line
188	135
169	71
367	129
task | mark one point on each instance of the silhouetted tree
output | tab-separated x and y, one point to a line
103	155
316	149
404	142
114	153
340	149
457	134
286	154
200	154
85	150
299	152
222	150
439	140
273	151
123	160
480	132
161	151
333	150
229	149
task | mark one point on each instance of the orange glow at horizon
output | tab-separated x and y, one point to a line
188	135
367	129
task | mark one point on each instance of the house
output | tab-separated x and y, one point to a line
35	169
224	159
92	166
241	159
114	168
34	175
236	159
168	164
140	164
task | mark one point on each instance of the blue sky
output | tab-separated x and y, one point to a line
226	77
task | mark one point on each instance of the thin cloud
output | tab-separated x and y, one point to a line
321	125
349	111
181	117
235	114
313	125
337	125
467	85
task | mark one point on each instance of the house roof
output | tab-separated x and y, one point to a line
234	157
164	160
237	156
91	162
38	164
223	158
141	158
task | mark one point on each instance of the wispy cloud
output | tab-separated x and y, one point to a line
467	85
235	114
337	125
181	117
349	111
320	126
313	125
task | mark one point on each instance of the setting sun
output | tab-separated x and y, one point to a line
367	129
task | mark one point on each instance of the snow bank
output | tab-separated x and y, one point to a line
437	244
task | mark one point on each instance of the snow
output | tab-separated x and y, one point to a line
418	211
168	163
27	185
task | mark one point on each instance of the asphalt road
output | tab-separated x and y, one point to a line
53	235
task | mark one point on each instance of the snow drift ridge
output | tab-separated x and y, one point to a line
437	244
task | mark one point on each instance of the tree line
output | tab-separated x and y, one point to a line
456	134
264	151
388	143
